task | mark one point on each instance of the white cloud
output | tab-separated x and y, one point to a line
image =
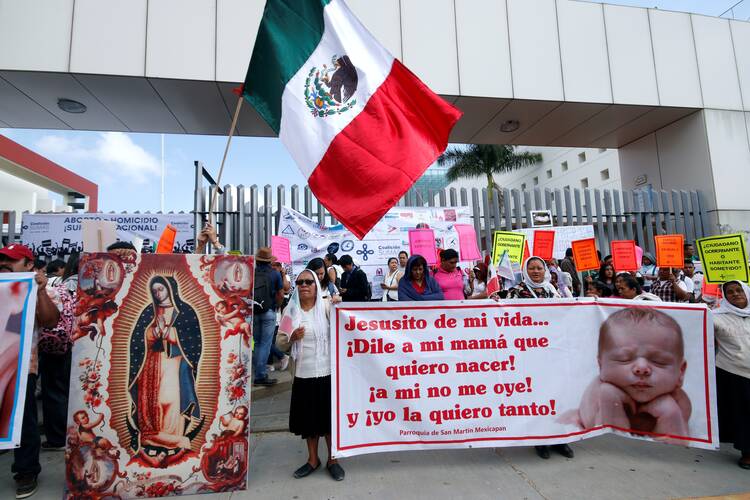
114	151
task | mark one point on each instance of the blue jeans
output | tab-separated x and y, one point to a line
264	325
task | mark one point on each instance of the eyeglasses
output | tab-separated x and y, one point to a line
304	282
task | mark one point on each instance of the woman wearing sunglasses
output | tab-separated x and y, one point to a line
304	329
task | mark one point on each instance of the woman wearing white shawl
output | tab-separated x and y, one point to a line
732	334
536	285
304	329
536	282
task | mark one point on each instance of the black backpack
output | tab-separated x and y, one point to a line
262	290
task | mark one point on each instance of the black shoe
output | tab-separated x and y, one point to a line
25	486
564	450
542	451
47	446
265	381
305	470
336	471
743	464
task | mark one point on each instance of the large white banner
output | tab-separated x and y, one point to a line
58	235
389	236
485	374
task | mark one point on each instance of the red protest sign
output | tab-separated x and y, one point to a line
584	254
544	244
166	242
670	250
623	255
526	253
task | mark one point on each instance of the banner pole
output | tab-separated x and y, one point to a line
215	196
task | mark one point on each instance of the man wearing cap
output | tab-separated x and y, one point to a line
18	259
268	293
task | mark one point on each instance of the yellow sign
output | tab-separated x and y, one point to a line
510	241
724	258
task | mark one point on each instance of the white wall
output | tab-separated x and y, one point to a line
20	195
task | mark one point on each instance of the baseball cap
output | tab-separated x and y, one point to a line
17	252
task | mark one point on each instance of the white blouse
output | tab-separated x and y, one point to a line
311	363
732	343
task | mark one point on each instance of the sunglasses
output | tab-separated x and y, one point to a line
305	282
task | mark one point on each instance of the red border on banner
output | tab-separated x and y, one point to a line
523	438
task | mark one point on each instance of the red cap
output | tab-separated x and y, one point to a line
17	252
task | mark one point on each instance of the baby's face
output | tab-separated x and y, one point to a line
643	361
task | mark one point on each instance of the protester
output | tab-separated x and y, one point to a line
307	316
123	249
666	287
390	282
55	271
568	266
354	284
607	277
276	353
597	289
278	266
536	284
70	274
268	293
478	280
629	288
208	235
686	279
417	284
403	258
333	269
449	277
648	270
327	288
689	251
732	332
26	467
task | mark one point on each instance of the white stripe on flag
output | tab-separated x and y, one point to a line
307	137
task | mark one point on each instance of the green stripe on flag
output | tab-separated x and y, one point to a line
288	34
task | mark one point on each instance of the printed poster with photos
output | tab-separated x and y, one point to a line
17	310
160	388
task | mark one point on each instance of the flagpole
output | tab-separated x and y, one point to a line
215	196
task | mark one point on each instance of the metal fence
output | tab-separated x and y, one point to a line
245	223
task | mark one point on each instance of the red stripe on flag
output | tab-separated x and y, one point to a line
371	164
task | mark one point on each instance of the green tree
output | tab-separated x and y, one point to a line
484	160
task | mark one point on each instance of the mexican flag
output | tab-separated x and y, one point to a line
361	126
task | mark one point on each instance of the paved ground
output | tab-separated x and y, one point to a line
608	467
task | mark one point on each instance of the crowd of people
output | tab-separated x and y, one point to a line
291	330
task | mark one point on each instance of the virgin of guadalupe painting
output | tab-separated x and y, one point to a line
165	351
159	399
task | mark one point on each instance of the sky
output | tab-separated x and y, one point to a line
127	167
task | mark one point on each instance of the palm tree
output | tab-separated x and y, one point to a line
485	160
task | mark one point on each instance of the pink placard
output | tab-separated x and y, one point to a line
467	242
422	242
281	249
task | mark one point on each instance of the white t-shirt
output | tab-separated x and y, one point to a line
311	363
686	284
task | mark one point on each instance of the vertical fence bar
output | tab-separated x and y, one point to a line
697	220
609	214
453	196
668	212
689	227
638	215
628	216
11	227
280	203
431	198
619	221
579	211
649	210
308	202
600	220
197	203
320	215
487	219
441	197
230	227
294	197
705	222
678	218
658	215
527	207
254	222
568	207
242	232
476	212
537	199
506	210
517	209
464	197
558	207
268	214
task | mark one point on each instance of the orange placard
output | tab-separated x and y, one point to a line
670	251
166	242
584	254
526	253
711	290
544	244
623	256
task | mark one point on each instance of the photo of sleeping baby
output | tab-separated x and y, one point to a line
641	357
